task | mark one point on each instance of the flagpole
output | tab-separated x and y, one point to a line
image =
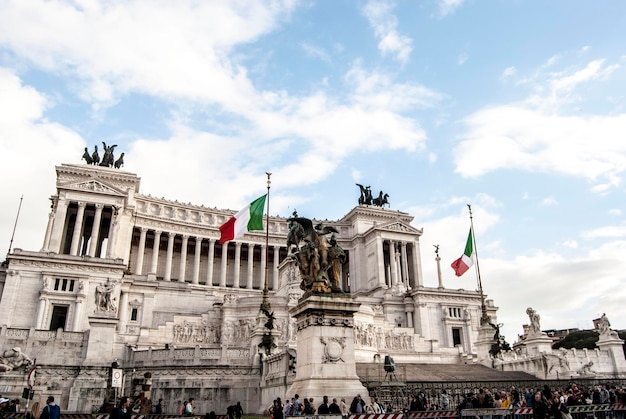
266	302
485	319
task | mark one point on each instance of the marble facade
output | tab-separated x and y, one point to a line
143	281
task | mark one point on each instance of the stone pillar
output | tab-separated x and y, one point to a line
392	261
155	252
196	261
46	240
41	308
95	230
183	259
263	266
224	264
211	258
78	315
250	266
78	228
418	281
123	312
167	276
275	283
58	227
380	262
405	266
325	348
237	267
112	233
140	251
409	309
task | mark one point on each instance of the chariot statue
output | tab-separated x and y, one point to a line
319	259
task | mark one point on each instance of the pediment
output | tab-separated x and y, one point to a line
399	227
93	185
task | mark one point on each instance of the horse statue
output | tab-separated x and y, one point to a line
381	200
87	157
95	157
366	195
119	162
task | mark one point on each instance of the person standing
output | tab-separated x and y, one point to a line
238	410
190	408
159	407
51	410
121	411
323	409
334	408
344	407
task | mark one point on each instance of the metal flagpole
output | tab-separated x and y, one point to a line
266	302
485	319
6	261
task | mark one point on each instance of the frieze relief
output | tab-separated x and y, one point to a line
203	332
368	335
94	186
70	267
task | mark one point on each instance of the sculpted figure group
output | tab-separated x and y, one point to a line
366	197
319	259
108	160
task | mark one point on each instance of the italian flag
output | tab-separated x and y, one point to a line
248	219
462	264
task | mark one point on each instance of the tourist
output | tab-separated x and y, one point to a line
277	410
445	400
122	411
238	410
557	408
334	408
159	407
34	411
343	406
297	406
3	404
288	407
358	405
308	406
183	408
372	407
51	410
540	407
190	409
323	408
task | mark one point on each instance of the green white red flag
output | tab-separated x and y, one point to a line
462	264
248	219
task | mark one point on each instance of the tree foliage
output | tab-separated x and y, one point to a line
583	339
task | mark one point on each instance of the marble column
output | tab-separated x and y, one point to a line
237	267
392	261
95	230
78	228
155	252
210	260
58	227
41	308
140	251
250	277
263	266
183	259
275	284
167	276
78	315
417	265
224	264
123	312
405	266
196	261
112	233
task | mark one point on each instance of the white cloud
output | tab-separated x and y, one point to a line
316	52
447	7
615	211
30	146
606	232
384	23
508	73
534	136
462	58
572	244
548	201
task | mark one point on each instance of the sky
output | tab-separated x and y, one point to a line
516	107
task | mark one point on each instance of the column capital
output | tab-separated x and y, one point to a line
143	229
171	234
157	232
81	204
99	206
186	236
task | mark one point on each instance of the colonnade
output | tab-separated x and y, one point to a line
80	228
402	264
210	263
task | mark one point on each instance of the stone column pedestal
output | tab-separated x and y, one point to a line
536	344
325	348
